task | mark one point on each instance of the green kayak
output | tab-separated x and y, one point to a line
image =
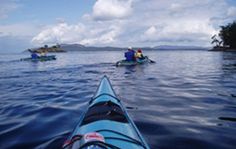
40	58
133	63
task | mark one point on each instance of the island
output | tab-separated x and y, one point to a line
47	49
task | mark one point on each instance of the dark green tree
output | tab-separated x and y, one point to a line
216	41
228	35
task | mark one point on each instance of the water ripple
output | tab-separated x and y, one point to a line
185	100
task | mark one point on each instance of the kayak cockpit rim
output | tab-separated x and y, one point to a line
130	139
94	98
126	139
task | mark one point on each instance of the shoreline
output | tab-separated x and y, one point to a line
222	49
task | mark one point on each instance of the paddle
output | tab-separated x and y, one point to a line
150	61
30	50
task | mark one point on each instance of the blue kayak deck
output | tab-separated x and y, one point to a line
110	120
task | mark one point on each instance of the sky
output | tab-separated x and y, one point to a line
32	23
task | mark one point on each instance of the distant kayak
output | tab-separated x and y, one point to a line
40	58
105	124
132	63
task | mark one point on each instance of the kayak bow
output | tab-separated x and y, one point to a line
105	124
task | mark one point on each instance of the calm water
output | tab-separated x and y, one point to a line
186	100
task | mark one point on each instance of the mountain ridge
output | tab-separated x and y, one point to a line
80	47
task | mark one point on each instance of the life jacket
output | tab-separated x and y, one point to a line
138	55
130	55
34	56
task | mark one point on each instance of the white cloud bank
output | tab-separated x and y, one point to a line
62	32
78	33
111	9
144	23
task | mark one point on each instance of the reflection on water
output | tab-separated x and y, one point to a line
229	64
228	119
185	100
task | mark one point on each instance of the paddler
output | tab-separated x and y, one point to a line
139	54
43	53
34	55
130	54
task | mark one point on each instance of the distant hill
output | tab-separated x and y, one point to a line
72	47
80	47
168	47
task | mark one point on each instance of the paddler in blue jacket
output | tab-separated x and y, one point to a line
34	55
130	55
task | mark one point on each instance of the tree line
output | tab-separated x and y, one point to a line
227	37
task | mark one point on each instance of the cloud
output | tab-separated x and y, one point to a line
6	7
151	31
111	9
142	23
183	21
183	32
175	7
78	33
231	12
181	27
61	33
107	36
